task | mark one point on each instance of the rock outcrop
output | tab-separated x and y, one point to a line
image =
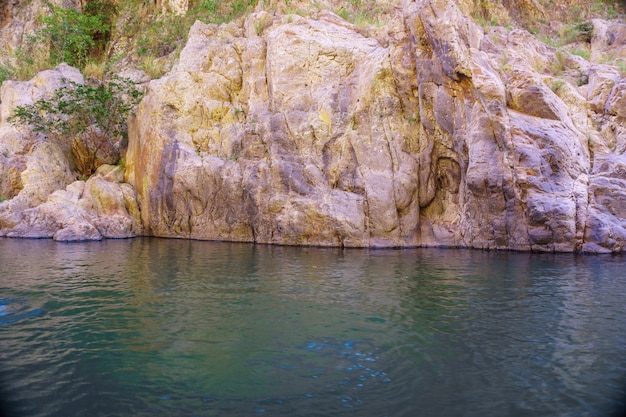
101	207
311	131
42	195
301	131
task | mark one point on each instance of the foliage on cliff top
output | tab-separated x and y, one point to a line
538	15
70	35
63	35
156	34
142	34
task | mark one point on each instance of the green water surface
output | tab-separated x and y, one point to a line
155	327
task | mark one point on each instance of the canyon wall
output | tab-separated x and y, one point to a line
298	130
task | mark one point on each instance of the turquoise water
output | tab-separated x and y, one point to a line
154	327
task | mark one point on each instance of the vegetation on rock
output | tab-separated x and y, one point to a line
64	35
139	34
71	35
89	119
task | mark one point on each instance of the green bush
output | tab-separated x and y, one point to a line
107	11
213	11
585	31
87	118
6	73
70	34
209	6
583	53
162	36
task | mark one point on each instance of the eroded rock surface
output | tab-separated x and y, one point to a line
302	131
306	131
41	196
101	207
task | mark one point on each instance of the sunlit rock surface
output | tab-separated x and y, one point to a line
426	131
101	207
40	192
302	131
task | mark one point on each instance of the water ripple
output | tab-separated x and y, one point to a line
151	327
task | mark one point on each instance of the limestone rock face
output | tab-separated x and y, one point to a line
245	145
295	130
31	167
609	38
21	93
312	131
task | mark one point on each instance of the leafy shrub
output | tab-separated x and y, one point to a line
213	11
162	36
107	11
585	31
30	58
70	34
209	6
89	118
6	73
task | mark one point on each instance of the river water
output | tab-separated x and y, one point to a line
155	327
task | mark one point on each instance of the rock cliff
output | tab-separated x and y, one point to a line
312	131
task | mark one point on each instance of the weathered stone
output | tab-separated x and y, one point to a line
608	38
100	207
311	131
318	137
22	93
529	95
272	158
42	197
606	224
177	7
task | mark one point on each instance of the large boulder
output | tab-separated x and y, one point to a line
101	207
31	166
606	222
296	137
